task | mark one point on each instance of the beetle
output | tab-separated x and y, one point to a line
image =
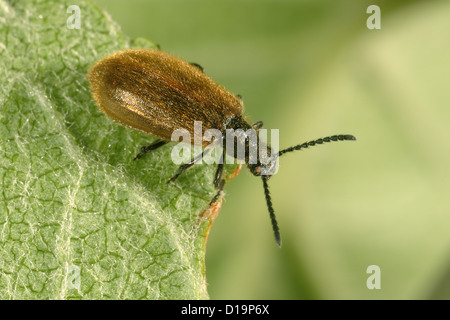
155	92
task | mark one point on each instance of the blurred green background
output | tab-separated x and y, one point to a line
310	69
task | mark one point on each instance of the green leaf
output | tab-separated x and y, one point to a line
78	218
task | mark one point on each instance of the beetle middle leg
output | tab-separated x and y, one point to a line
189	164
151	147
219	182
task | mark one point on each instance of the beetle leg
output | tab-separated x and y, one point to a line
189	164
219	173
219	182
257	125
199	67
151	147
220	187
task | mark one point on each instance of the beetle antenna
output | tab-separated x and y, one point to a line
276	230
340	137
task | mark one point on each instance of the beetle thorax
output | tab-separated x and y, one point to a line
242	142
